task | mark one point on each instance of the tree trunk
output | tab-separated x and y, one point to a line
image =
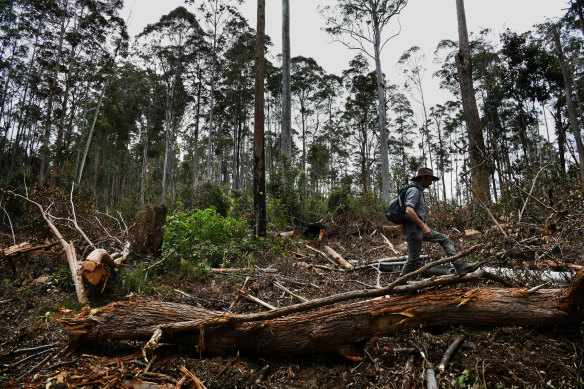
339	329
381	112
91	128
574	124
196	145
259	182
212	103
286	145
476	142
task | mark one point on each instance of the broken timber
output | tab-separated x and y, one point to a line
340	329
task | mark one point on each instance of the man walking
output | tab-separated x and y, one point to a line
416	230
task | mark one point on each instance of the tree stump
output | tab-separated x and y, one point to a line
148	239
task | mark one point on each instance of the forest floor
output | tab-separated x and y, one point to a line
500	357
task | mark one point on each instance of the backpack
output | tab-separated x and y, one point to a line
396	209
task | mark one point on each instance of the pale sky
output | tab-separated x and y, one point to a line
424	23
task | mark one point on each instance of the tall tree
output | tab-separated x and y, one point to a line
216	14
286	141
62	11
357	24
259	182
574	124
360	112
307	77
173	47
477	152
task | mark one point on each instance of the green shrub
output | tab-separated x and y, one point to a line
339	201
205	195
203	238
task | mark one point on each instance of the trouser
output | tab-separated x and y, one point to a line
414	238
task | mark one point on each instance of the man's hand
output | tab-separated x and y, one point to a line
426	231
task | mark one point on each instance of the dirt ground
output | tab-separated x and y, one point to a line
501	357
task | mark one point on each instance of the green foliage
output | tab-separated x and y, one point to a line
203	239
339	201
61	278
466	380
281	186
135	280
242	206
276	214
205	195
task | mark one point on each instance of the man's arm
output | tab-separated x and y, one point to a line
417	221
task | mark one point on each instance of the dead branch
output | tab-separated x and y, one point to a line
449	351
16	249
338	257
198	383
530	192
407	379
321	254
81	232
256	300
10	223
69	252
391	246
282	287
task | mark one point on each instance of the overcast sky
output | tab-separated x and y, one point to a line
424	23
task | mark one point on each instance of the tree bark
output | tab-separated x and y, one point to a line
476	143
286	145
382	117
259	182
340	329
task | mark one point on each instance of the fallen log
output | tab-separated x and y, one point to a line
340	329
95	268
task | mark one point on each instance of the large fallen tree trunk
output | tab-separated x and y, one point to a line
338	329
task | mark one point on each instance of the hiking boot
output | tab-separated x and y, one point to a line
463	268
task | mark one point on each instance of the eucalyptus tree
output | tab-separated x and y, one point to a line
412	64
237	89
400	142
59	12
286	142
329	95
477	153
439	114
360	112
109	45
172	46
307	76
21	41
259	181
216	14
574	123
274	114
527	68
92	21
360	24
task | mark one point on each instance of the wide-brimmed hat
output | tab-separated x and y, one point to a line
424	171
